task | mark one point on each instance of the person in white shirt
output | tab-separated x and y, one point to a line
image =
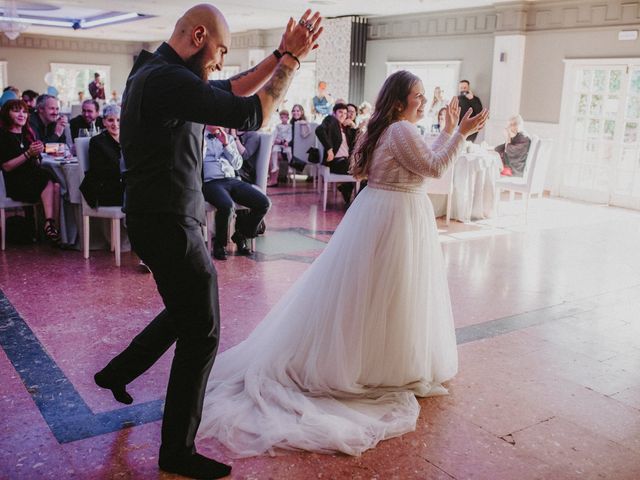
223	189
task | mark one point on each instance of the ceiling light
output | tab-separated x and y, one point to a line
11	28
107	20
39	21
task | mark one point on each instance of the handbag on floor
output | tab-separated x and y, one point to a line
314	155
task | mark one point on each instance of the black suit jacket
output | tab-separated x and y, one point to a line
101	185
329	132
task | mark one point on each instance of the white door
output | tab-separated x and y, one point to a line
626	181
601	134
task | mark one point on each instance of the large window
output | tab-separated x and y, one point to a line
601	132
71	78
433	74
302	89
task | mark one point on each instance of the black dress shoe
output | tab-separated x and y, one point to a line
194	466
241	242
219	253
119	390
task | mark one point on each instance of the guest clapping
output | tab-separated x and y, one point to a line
25	179
102	185
515	150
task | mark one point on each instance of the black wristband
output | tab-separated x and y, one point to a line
277	54
292	56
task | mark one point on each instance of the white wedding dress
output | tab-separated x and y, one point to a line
336	364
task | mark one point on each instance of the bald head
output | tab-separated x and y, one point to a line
203	14
201	37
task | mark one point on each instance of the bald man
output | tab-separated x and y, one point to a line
166	104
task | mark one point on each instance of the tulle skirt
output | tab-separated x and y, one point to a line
336	364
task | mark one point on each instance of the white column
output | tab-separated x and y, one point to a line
506	84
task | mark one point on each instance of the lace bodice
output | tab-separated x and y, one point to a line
402	160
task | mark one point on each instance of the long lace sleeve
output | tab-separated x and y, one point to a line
411	151
440	141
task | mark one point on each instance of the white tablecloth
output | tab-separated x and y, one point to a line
474	185
70	175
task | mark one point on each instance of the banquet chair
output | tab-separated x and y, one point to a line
262	176
328	177
532	181
113	213
300	150
5	203
443	186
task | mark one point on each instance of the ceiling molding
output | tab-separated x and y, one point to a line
509	18
72	44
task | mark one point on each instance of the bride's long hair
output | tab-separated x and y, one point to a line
392	98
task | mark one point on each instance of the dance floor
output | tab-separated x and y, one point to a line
548	326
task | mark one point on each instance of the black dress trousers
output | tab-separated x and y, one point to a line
173	248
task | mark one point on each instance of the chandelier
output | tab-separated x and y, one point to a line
12	28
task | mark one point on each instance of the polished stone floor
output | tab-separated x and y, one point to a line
548	324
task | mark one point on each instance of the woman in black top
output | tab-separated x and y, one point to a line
101	185
24	177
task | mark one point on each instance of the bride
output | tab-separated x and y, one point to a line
336	365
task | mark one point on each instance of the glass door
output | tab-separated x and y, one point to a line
626	181
602	135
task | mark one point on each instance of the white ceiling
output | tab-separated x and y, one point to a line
241	15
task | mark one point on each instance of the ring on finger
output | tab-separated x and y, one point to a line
302	22
309	26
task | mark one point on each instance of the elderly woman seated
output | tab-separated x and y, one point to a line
515	150
25	179
102	185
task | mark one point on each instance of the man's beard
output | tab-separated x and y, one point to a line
196	64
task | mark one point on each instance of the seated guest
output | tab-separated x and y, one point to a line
29	97
102	185
298	119
515	150
24	178
350	126
281	147
222	188
89	119
334	139
47	123
364	114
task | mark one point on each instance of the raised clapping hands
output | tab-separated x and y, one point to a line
452	115
300	37
35	149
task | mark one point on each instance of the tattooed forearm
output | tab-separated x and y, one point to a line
277	86
243	74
